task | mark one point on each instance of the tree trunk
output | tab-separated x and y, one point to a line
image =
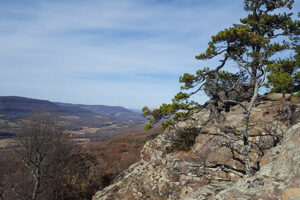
37	175
247	113
253	80
36	188
253	77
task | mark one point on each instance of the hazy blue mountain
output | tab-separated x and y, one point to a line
76	116
136	110
15	106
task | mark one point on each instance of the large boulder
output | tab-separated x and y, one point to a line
278	177
211	170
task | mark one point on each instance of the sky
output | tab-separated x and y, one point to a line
111	52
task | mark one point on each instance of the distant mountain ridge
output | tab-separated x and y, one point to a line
77	116
15	105
85	123
100	109
23	104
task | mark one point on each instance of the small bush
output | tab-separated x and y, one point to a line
152	136
123	150
185	138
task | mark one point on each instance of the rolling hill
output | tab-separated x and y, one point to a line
85	121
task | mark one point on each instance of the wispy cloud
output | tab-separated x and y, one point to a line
115	52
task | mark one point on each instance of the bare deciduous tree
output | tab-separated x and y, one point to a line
46	164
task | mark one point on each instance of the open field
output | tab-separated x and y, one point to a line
4	143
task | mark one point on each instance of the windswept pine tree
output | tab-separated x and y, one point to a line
253	46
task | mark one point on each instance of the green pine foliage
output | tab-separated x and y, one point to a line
186	138
284	77
252	45
284	74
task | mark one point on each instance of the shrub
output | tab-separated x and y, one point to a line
152	136
186	138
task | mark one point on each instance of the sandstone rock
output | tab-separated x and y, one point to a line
291	194
278	96
278	177
211	170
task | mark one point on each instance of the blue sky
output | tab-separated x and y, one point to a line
111	52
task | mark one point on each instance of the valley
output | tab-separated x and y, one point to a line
85	123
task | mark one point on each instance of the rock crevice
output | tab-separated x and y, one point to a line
213	168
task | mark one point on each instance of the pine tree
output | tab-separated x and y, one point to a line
284	74
251	45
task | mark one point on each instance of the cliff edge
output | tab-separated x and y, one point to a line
213	167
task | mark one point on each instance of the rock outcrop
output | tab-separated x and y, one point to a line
211	169
278	177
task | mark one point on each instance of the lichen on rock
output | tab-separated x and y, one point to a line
210	169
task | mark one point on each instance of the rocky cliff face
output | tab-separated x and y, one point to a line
212	169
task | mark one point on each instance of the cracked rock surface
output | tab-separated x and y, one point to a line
212	171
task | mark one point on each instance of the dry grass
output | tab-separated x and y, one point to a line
118	153
4	143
